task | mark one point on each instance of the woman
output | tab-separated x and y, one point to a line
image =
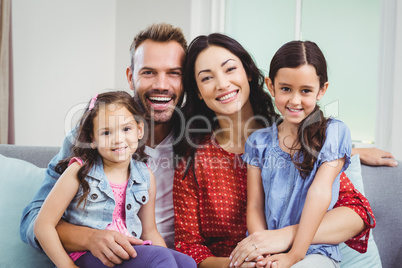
225	103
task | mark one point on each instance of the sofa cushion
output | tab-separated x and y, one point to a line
19	180
350	257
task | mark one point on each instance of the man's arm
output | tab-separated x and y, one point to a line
31	211
375	157
109	246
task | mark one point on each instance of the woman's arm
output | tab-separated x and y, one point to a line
255	200
50	214
147	216
222	262
189	238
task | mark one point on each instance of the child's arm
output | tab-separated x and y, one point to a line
317	203
50	214
147	216
255	200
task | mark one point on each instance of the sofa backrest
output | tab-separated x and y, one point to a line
37	155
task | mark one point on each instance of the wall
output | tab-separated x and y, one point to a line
133	16
63	54
66	51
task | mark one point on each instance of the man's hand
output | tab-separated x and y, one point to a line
111	247
375	157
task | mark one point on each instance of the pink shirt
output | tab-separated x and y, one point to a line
119	213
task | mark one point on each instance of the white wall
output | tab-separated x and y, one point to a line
63	53
133	16
66	51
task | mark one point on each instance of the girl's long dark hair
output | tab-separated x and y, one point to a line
85	129
311	132
260	100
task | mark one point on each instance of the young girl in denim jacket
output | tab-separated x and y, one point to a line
295	165
107	185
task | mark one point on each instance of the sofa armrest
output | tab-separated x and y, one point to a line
383	187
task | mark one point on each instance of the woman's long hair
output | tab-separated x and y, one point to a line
260	100
311	132
85	129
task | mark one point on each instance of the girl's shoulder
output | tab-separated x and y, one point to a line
139	171
75	160
337	128
264	135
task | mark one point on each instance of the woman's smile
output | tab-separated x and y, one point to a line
227	96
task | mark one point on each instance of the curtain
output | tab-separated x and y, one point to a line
6	118
389	108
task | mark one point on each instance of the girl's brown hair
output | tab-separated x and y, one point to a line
311	132
84	133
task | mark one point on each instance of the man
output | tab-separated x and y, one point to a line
155	74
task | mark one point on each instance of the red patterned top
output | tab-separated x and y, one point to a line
210	208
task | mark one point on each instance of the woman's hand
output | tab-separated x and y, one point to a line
262	243
278	261
375	157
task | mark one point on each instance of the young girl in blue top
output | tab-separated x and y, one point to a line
106	184
294	166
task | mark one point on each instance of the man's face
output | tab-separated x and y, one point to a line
156	78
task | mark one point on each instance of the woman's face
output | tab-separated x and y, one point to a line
222	81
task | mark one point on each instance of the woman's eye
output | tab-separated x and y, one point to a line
126	129
206	78
231	69
105	133
285	89
306	91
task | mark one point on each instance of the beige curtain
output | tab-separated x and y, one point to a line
6	72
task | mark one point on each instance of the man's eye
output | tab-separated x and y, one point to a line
285	89
175	73
105	133
126	129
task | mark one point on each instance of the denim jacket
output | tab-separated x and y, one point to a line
97	210
32	209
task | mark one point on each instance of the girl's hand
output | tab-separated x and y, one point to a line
284	260
267	242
